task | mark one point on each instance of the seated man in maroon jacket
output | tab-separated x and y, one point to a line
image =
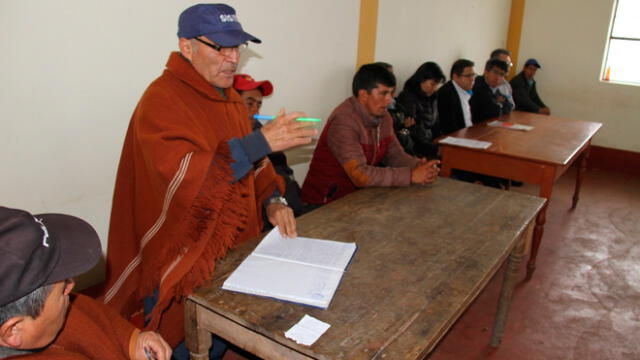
39	318
358	147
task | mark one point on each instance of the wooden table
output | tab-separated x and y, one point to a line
424	253
539	156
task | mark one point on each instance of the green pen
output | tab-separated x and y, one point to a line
271	117
309	119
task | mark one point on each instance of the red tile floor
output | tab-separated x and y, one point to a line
584	299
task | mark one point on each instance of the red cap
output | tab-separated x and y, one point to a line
244	82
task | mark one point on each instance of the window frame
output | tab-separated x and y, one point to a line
605	62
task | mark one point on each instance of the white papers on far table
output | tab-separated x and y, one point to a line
307	330
510	125
476	144
301	270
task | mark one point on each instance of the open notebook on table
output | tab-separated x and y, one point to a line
301	270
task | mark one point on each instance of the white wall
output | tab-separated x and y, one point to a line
74	70
411	32
308	53
568	38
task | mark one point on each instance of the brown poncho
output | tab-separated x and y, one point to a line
91	331
176	208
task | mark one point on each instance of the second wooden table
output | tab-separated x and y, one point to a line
539	156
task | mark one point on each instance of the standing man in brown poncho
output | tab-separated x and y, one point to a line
193	178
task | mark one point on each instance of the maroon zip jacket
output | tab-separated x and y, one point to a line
355	150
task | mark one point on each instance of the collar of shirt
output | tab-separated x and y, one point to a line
464	95
368	120
464	102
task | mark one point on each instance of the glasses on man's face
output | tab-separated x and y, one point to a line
223	50
500	73
469	76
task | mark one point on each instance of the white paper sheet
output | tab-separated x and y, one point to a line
307	330
476	144
510	126
322	253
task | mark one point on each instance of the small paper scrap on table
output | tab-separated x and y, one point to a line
307	330
511	126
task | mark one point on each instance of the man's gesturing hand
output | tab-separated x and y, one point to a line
285	132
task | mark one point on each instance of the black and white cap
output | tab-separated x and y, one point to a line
37	250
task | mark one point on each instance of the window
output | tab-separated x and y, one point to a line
623	51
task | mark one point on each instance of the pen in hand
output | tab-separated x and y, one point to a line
149	354
266	118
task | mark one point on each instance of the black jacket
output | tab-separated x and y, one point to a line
425	112
403	133
484	104
449	109
525	96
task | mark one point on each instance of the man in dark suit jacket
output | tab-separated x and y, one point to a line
525	94
455	112
487	102
453	97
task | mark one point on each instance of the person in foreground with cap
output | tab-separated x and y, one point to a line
187	189
253	92
525	94
39	316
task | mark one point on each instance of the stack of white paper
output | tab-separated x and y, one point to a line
302	270
476	144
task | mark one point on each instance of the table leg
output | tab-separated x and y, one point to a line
197	339
509	282
445	170
546	188
581	170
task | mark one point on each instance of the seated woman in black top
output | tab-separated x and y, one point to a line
418	100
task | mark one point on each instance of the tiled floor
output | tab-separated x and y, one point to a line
584	299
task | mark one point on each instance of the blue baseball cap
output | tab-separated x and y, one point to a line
533	62
216	22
